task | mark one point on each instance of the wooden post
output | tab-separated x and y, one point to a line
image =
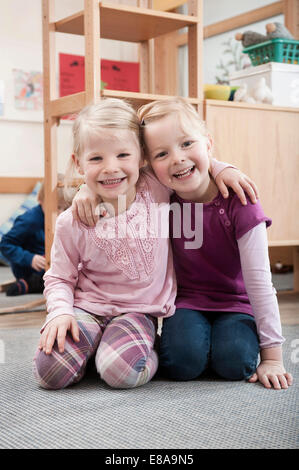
50	125
166	64
291	16
147	58
296	268
195	53
92	50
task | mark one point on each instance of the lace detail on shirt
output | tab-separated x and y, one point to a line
130	239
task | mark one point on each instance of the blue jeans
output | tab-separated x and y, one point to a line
194	340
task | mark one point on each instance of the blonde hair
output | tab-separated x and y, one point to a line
63	200
184	111
107	113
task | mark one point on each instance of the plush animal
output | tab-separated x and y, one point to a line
278	30
242	94
261	92
250	38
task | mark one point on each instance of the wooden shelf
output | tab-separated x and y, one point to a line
124	23
262	106
67	104
73	103
138	99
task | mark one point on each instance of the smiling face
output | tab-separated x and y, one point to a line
179	159
110	164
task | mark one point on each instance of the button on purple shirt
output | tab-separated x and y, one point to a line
210	277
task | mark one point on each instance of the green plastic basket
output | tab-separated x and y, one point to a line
275	50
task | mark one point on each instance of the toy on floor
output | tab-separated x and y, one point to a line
278	31
260	93
250	38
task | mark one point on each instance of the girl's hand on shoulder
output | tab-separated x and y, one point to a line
85	206
239	182
57	329
272	374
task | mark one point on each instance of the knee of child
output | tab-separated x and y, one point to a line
235	361
47	373
184	371
117	373
186	362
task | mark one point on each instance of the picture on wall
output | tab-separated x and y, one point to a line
28	90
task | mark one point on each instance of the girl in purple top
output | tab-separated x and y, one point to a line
226	307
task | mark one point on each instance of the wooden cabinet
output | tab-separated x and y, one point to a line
263	142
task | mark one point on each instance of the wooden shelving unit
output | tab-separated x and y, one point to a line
118	22
126	23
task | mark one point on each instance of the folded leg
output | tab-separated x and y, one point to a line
59	370
126	356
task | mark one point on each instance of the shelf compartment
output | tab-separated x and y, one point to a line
130	24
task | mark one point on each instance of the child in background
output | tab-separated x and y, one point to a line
107	285
226	307
24	247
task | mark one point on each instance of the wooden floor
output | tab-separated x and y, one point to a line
288	305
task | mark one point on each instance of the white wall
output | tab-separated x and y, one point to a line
21	132
215	10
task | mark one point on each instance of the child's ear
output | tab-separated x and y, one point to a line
77	164
142	161
210	144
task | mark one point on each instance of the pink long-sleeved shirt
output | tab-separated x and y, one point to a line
122	265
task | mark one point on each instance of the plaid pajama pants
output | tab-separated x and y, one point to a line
123	348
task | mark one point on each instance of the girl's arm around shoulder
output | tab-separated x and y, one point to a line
227	176
253	248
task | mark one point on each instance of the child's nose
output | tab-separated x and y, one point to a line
111	168
178	156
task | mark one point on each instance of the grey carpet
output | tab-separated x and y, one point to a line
208	413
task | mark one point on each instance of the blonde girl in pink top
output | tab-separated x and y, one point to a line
109	283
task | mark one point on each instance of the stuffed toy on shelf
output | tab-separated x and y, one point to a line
250	38
274	31
242	94
259	93
278	31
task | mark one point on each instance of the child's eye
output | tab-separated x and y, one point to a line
187	143
161	154
96	158
123	155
